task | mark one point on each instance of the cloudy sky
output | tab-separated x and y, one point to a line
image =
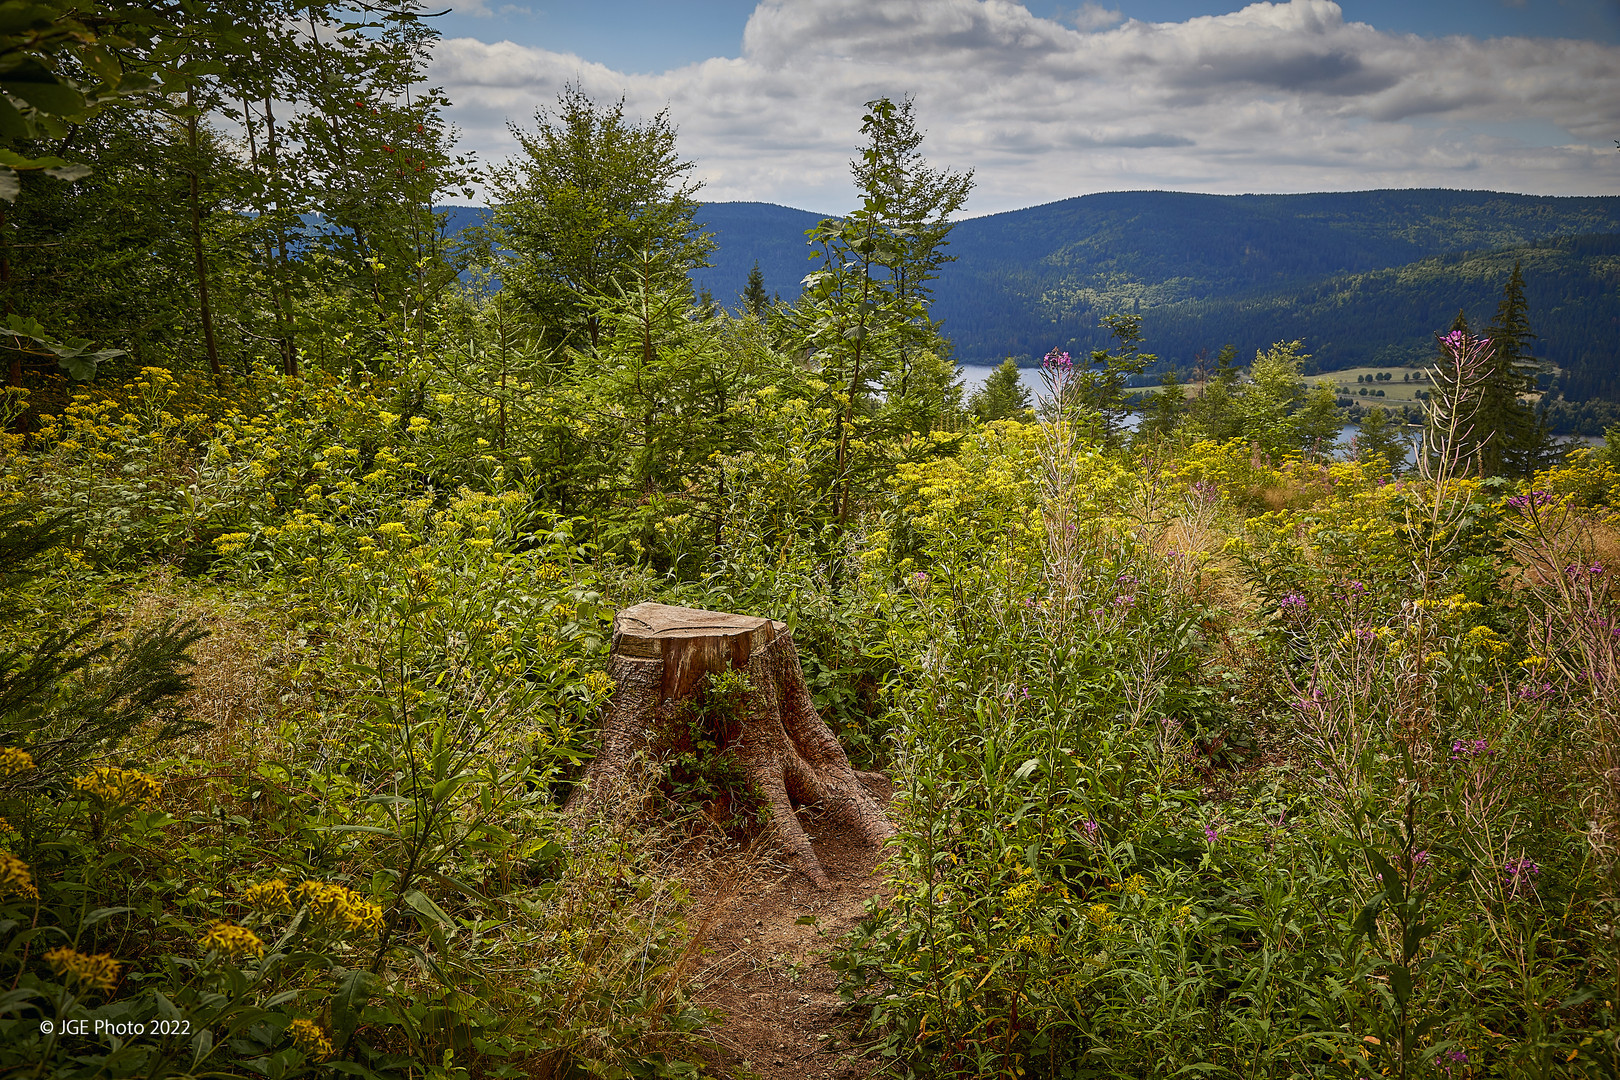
1047	99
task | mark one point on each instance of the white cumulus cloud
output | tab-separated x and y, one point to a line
1275	97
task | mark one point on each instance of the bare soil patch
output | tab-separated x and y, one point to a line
766	972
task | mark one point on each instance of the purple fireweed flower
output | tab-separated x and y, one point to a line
1420	858
1464	749
1091	830
1535	498
1211	834
1521	873
1312	702
919	578
1532	692
1293	604
1057	360
1205	490
1124	600
1451	1057
1457	340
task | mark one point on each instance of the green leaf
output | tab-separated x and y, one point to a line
101	914
201	1047
68	173
1400	981
353	991
424	905
1367	921
12	124
45	94
1394	887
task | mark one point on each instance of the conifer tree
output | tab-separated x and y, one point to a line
1213	414
591	192
1319	420
1168	407
1102	392
1003	396
755	299
1380	437
1517	434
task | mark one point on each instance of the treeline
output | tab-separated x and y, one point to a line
1364	278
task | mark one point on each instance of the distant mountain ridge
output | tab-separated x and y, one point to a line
1363	277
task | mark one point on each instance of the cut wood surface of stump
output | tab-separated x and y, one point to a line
661	659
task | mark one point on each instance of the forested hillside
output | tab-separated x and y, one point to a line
1365	278
1214	749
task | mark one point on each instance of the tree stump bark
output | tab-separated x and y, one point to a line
660	661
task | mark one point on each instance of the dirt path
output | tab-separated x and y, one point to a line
767	972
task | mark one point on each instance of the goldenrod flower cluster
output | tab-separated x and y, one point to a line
1484	638
339	906
15	877
327	902
1041	946
268	896
598	683
1022	895
308	1037
99	972
122	787
14	761
232	940
230	543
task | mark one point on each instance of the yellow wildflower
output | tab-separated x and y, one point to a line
1041	946
598	683
232	940
122	787
268	896
1022	895
15	877
338	906
99	972
14	761
308	1037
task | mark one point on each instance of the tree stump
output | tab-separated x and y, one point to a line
661	658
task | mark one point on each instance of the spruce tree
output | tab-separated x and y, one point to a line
1380	437
1214	414
590	193
1168	406
1516	434
1003	396
756	301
